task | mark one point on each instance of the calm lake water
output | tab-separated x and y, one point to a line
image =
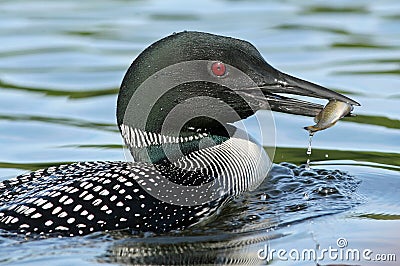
61	63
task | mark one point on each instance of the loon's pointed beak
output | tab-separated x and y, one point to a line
278	95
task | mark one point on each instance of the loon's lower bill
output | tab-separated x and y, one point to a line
175	111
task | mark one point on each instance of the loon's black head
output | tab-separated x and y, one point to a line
200	81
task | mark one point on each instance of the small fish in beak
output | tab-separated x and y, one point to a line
332	112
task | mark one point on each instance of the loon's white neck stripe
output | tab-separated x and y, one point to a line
137	138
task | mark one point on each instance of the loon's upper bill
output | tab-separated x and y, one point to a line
175	108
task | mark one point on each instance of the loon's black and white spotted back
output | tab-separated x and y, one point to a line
189	159
81	198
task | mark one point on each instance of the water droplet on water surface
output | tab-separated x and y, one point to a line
308	164
306	196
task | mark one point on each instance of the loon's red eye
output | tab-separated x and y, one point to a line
218	69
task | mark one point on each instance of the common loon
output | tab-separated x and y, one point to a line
175	110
